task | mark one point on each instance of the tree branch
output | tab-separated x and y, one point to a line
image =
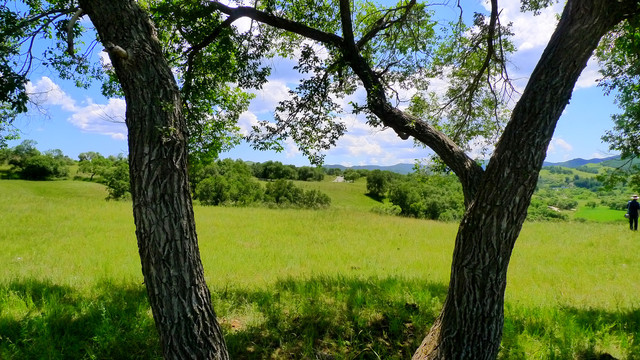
383	24
280	23
70	25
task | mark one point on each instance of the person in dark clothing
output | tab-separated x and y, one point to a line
632	209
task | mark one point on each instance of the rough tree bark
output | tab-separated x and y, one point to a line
163	213
470	324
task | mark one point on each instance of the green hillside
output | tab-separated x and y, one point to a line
293	283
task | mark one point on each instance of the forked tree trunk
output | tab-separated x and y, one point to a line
470	324
163	213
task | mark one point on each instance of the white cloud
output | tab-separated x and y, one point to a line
559	145
589	75
530	31
246	121
45	92
94	118
103	119
269	96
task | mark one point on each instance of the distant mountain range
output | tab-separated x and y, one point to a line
612	161
581	162
397	168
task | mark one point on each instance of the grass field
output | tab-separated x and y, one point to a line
342	283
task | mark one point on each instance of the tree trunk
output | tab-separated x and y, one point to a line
470	324
163	213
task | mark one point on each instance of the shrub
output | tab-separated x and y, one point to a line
378	183
284	193
434	197
117	180
43	167
228	190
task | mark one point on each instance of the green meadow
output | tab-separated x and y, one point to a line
340	283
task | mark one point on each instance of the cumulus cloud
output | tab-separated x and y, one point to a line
102	119
590	75
530	31
559	145
269	96
46	92
107	119
246	121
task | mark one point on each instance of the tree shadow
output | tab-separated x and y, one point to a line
572	333
375	197
41	320
320	318
315	318
332	318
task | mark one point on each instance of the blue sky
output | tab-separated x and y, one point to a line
78	120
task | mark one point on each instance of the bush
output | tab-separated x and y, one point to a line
378	183
117	180
29	164
231	190
43	167
433	197
284	193
314	199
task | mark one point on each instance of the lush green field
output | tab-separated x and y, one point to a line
341	283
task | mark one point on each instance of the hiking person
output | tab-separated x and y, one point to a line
632	209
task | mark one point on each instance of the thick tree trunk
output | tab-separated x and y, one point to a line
470	324
163	213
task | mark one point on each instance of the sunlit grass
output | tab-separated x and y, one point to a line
600	214
301	283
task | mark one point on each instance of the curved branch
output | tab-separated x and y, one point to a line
280	23
70	25
403	124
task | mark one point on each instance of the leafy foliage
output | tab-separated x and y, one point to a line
28	163
113	171
378	183
229	182
284	193
437	197
619	54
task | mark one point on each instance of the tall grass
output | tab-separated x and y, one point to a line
342	283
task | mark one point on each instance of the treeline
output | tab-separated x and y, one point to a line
234	183
27	162
223	182
237	183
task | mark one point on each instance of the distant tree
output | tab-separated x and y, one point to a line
116	178
437	197
43	167
587	169
20	153
93	163
227	182
351	175
27	162
284	193
308	173
333	171
5	153
378	182
314	199
559	170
